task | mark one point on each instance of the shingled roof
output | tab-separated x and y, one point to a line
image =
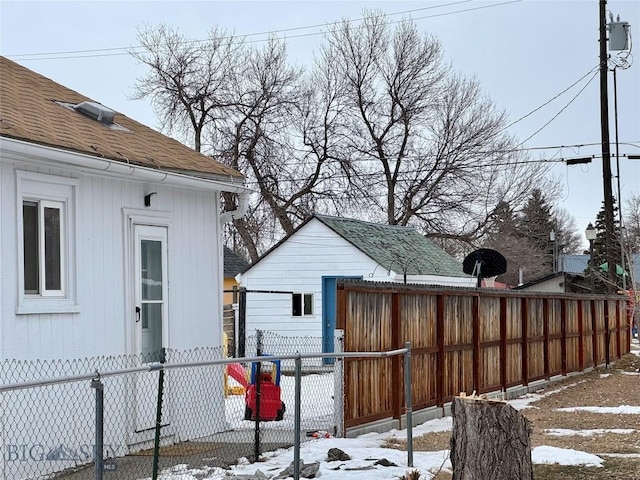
399	249
38	110
396	248
233	263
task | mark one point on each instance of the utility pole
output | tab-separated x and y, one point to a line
606	154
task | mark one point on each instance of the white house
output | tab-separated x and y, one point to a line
110	236
305	266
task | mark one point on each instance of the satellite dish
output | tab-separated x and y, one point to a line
483	263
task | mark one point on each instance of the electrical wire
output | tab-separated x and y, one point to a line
270	32
560	112
64	55
596	69
415	171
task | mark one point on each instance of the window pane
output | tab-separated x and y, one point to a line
308	303
151	263
30	243
151	332
296	304
52	249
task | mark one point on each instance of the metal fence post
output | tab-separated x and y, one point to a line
256	434
156	442
99	442
408	403
242	322
338	386
297	421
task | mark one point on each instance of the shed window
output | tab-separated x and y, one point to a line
302	304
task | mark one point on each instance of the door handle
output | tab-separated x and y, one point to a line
137	314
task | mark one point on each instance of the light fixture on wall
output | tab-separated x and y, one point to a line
147	199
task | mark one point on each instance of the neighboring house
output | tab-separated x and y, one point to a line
233	265
306	265
559	282
100	215
577	264
571	277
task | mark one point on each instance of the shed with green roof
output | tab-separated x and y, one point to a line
307	264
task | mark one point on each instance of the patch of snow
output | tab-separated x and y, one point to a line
564	456
444	424
523	402
626	409
363	451
560	432
630	373
605	375
620	455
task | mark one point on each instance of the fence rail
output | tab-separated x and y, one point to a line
101	415
468	340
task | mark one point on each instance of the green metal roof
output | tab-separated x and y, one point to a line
400	249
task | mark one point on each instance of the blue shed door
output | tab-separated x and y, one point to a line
329	313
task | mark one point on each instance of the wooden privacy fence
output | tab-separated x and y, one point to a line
466	340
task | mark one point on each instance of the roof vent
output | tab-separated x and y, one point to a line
96	111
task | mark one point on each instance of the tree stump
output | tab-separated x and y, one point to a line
490	441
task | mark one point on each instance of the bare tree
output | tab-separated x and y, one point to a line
379	128
247	107
190	84
568	236
427	146
632	224
188	81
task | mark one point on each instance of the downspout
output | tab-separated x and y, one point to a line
243	204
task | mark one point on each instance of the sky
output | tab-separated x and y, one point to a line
523	53
366	449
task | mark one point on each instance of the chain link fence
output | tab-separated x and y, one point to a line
194	410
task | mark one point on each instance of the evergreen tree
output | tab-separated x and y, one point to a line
535	225
523	238
600	265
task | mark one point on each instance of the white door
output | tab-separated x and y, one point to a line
151	319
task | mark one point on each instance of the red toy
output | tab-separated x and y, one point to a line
271	406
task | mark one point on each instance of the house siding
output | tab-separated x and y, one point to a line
103	325
102	330
298	265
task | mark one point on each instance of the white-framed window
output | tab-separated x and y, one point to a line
46	243
302	304
43	232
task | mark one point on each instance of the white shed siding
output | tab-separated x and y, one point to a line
100	328
298	265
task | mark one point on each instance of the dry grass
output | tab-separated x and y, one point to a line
602	387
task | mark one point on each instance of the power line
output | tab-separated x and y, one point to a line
269	32
554	97
561	110
65	55
341	176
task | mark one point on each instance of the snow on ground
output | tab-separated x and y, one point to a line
627	409
366	449
564	456
561	432
523	402
317	404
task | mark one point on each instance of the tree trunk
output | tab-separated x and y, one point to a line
490	441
